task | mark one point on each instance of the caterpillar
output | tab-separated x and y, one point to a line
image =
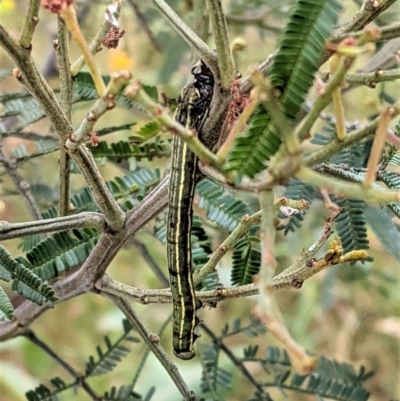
193	106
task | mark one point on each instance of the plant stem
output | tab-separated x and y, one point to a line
241	229
377	147
95	46
353	137
68	14
202	50
220	31
303	130
31	336
347	189
153	342
104	103
81	220
160	114
30	22
62	54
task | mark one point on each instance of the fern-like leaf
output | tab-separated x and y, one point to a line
60	252
254	147
392	180
21	105
298	58
212	374
351	225
44	393
84	89
6	308
114	353
253	329
123	393
292	73
222	208
25	282
124	150
352	156
136	182
332	379
246	260
146	132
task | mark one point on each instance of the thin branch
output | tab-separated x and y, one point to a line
347	189
41	91
239	365
62	54
377	147
267	309
148	351
95	45
267	100
386	57
369	11
372	78
241	229
201	20
148	208
353	137
240	124
29	75
153	342
30	22
146	255
20	184
31	336
104	103
64	162
136	93
245	185
246	84
68	14
81	220
376	34
104	199
220	31
201	48
303	130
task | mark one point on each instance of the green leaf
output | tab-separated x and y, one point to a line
60	252
292	73
221	207
84	89
246	260
298	58
351	224
43	393
124	150
253	148
6	308
384	228
147	131
114	353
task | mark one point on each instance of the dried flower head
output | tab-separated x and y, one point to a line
112	38
55	6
